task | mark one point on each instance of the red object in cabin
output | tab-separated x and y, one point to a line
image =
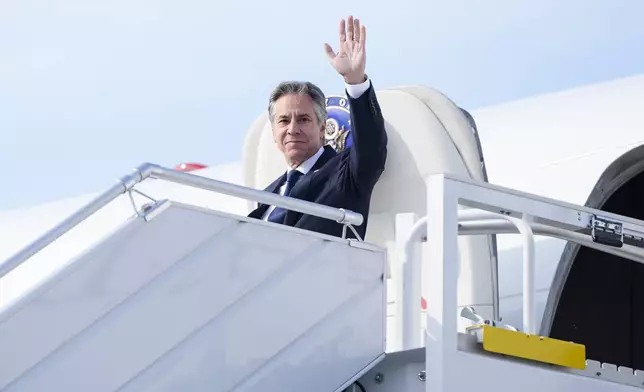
188	167
423	303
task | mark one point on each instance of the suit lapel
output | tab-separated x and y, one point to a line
273	188
304	182
300	190
328	153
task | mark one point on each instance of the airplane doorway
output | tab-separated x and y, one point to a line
597	299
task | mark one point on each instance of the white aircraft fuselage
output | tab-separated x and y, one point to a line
559	145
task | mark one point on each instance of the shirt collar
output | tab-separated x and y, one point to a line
306	166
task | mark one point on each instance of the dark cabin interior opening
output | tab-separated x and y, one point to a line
602	302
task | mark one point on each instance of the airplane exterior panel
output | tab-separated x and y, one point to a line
558	145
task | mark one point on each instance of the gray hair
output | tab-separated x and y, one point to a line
299	88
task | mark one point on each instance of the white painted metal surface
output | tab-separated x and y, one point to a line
527	242
21	227
198	300
541	169
411	287
406	371
566	170
409	294
445	362
400	371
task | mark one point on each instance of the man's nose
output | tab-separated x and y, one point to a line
293	128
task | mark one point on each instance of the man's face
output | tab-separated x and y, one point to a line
295	128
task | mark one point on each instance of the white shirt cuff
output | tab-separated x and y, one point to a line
356	90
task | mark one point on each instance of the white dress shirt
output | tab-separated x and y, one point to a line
354	91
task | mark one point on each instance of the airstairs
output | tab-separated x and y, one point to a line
181	298
187	299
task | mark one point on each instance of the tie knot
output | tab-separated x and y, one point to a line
292	176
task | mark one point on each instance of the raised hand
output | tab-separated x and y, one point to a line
351	57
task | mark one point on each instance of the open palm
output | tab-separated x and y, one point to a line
350	59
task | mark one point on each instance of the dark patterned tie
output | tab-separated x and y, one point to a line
278	213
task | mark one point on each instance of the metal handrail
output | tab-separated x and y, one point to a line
529	272
123	185
411	270
630	252
411	286
306	207
477	222
524	228
126	183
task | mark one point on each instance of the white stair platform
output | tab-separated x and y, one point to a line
188	299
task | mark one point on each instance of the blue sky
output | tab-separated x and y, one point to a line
90	89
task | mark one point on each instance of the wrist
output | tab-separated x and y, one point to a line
355	79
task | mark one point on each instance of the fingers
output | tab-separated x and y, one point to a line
356	30
352	30
329	51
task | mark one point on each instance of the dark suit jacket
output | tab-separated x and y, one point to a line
342	180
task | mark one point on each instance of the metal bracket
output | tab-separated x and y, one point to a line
140	212
344	232
469	313
607	232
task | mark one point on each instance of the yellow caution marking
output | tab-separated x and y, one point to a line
534	347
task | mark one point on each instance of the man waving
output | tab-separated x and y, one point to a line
315	172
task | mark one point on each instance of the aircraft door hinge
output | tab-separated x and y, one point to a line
607	232
633	240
